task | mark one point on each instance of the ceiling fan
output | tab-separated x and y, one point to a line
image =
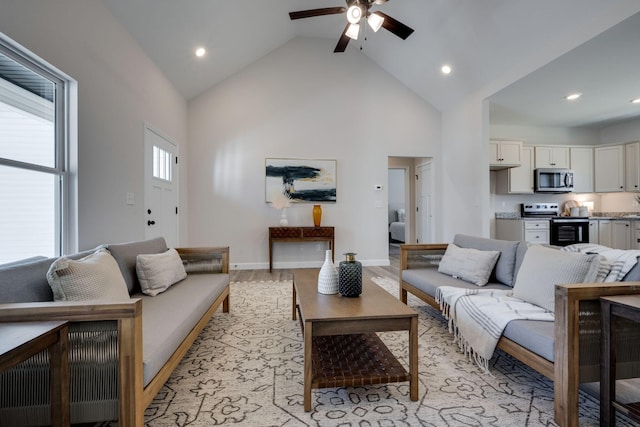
356	10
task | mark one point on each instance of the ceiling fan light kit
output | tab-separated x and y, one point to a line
356	10
375	21
354	14
353	31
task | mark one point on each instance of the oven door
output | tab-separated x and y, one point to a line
566	232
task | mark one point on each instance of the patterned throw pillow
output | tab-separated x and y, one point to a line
470	265
94	277
157	272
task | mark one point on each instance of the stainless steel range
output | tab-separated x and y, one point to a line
564	230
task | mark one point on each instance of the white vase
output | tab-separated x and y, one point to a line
328	277
283	217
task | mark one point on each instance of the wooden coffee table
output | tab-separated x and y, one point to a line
341	348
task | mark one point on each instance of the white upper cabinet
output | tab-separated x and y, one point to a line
517	180
632	166
552	157
609	168
581	162
504	154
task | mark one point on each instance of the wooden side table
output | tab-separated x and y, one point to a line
300	234
626	307
20	341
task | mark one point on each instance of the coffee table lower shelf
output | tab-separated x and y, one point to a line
354	360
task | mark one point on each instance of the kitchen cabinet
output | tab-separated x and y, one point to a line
581	162
632	166
518	180
534	231
504	154
609	168
621	235
615	234
604	233
593	232
551	157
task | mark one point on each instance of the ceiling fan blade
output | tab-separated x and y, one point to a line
379	1
317	12
344	40
395	26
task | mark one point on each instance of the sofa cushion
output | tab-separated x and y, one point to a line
504	271
157	272
534	335
169	317
94	277
429	279
470	265
125	255
543	268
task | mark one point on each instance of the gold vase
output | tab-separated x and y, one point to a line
317	215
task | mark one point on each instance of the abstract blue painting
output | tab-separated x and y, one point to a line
304	181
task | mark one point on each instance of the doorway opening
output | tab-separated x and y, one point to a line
410	187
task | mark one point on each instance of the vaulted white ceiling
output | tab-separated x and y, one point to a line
481	39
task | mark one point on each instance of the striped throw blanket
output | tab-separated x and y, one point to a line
614	263
477	318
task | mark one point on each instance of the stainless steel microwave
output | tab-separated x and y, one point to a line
549	180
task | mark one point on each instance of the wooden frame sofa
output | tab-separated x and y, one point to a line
576	328
124	324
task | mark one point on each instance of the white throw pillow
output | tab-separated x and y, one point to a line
470	265
157	272
543	268
94	277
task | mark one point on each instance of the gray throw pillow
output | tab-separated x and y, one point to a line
543	268
157	272
94	277
504	271
470	265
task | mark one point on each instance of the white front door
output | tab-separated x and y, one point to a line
424	214
161	187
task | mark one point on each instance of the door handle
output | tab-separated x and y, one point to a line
150	222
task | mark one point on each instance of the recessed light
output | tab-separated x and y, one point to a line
200	52
635	101
573	96
446	69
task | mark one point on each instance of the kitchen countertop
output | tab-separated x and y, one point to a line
598	216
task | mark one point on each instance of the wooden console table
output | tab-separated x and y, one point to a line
625	307
300	234
20	341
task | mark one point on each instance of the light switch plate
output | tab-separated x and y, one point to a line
131	199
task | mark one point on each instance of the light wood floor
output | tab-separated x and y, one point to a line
286	274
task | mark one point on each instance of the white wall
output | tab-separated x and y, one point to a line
119	90
541	135
624	132
302	101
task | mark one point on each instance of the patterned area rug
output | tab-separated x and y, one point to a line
246	369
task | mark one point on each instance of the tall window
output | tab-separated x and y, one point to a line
35	217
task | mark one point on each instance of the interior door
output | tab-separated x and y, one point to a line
424	213
161	187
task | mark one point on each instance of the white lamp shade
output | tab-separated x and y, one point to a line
354	14
353	31
375	21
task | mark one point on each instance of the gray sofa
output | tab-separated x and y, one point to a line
127	349
566	350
